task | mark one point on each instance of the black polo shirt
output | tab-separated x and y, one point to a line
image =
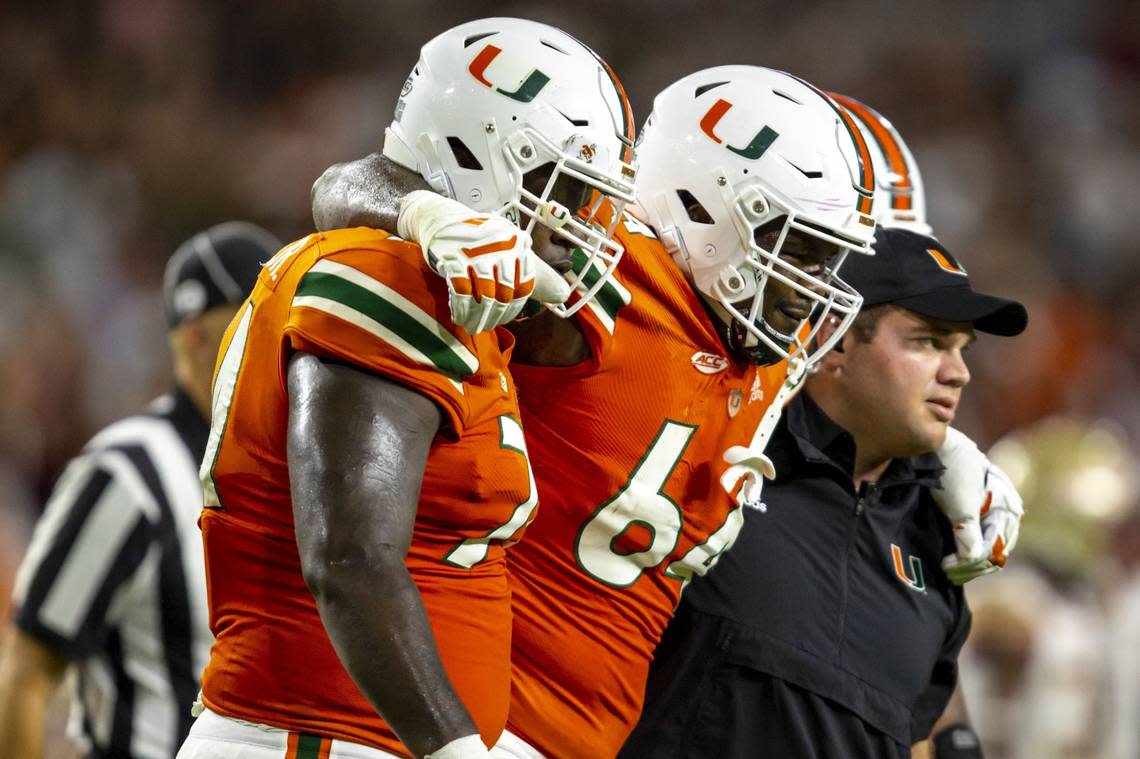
829	629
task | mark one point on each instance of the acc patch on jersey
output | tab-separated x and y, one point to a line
709	363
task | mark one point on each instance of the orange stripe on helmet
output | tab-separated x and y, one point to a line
628	135
626	111
901	190
866	179
866	169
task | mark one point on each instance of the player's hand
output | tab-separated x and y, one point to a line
982	504
487	261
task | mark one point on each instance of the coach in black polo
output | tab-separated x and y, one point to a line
829	630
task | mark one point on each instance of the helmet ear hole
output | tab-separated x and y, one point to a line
697	213
464	158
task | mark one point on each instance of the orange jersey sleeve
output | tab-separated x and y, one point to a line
361	298
386	313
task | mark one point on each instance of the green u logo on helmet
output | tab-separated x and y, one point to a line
525	92
754	149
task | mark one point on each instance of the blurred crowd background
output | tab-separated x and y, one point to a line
128	125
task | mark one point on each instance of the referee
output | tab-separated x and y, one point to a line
113	582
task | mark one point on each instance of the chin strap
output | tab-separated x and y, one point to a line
748	466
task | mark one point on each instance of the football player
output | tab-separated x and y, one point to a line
366	468
647	411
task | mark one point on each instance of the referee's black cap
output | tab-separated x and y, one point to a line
215	267
916	272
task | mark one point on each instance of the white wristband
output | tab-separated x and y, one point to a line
423	213
467	747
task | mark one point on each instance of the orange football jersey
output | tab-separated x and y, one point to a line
627	450
363	298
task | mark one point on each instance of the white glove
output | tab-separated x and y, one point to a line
982	504
467	747
747	469
487	261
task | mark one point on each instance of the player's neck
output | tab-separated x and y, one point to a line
548	340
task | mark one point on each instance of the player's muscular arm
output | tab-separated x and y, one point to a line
362	193
357	449
29	676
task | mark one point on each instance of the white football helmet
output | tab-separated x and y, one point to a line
490	101
746	146
900	200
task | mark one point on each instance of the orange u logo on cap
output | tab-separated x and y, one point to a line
945	262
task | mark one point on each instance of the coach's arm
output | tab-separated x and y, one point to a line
357	447
30	672
953	736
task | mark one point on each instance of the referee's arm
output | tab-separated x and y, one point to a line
89	543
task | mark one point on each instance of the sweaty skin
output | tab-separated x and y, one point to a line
357	448
362	193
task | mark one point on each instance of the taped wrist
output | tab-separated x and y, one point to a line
467	747
423	213
957	742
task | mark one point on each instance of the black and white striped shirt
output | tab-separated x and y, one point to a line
114	580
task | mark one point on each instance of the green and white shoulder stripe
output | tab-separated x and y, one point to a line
612	296
365	302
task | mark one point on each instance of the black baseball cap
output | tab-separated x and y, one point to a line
917	273
215	267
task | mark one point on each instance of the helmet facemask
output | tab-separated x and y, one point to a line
738	292
566	189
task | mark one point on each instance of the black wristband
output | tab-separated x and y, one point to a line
957	742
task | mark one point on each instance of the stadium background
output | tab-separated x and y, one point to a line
127	125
